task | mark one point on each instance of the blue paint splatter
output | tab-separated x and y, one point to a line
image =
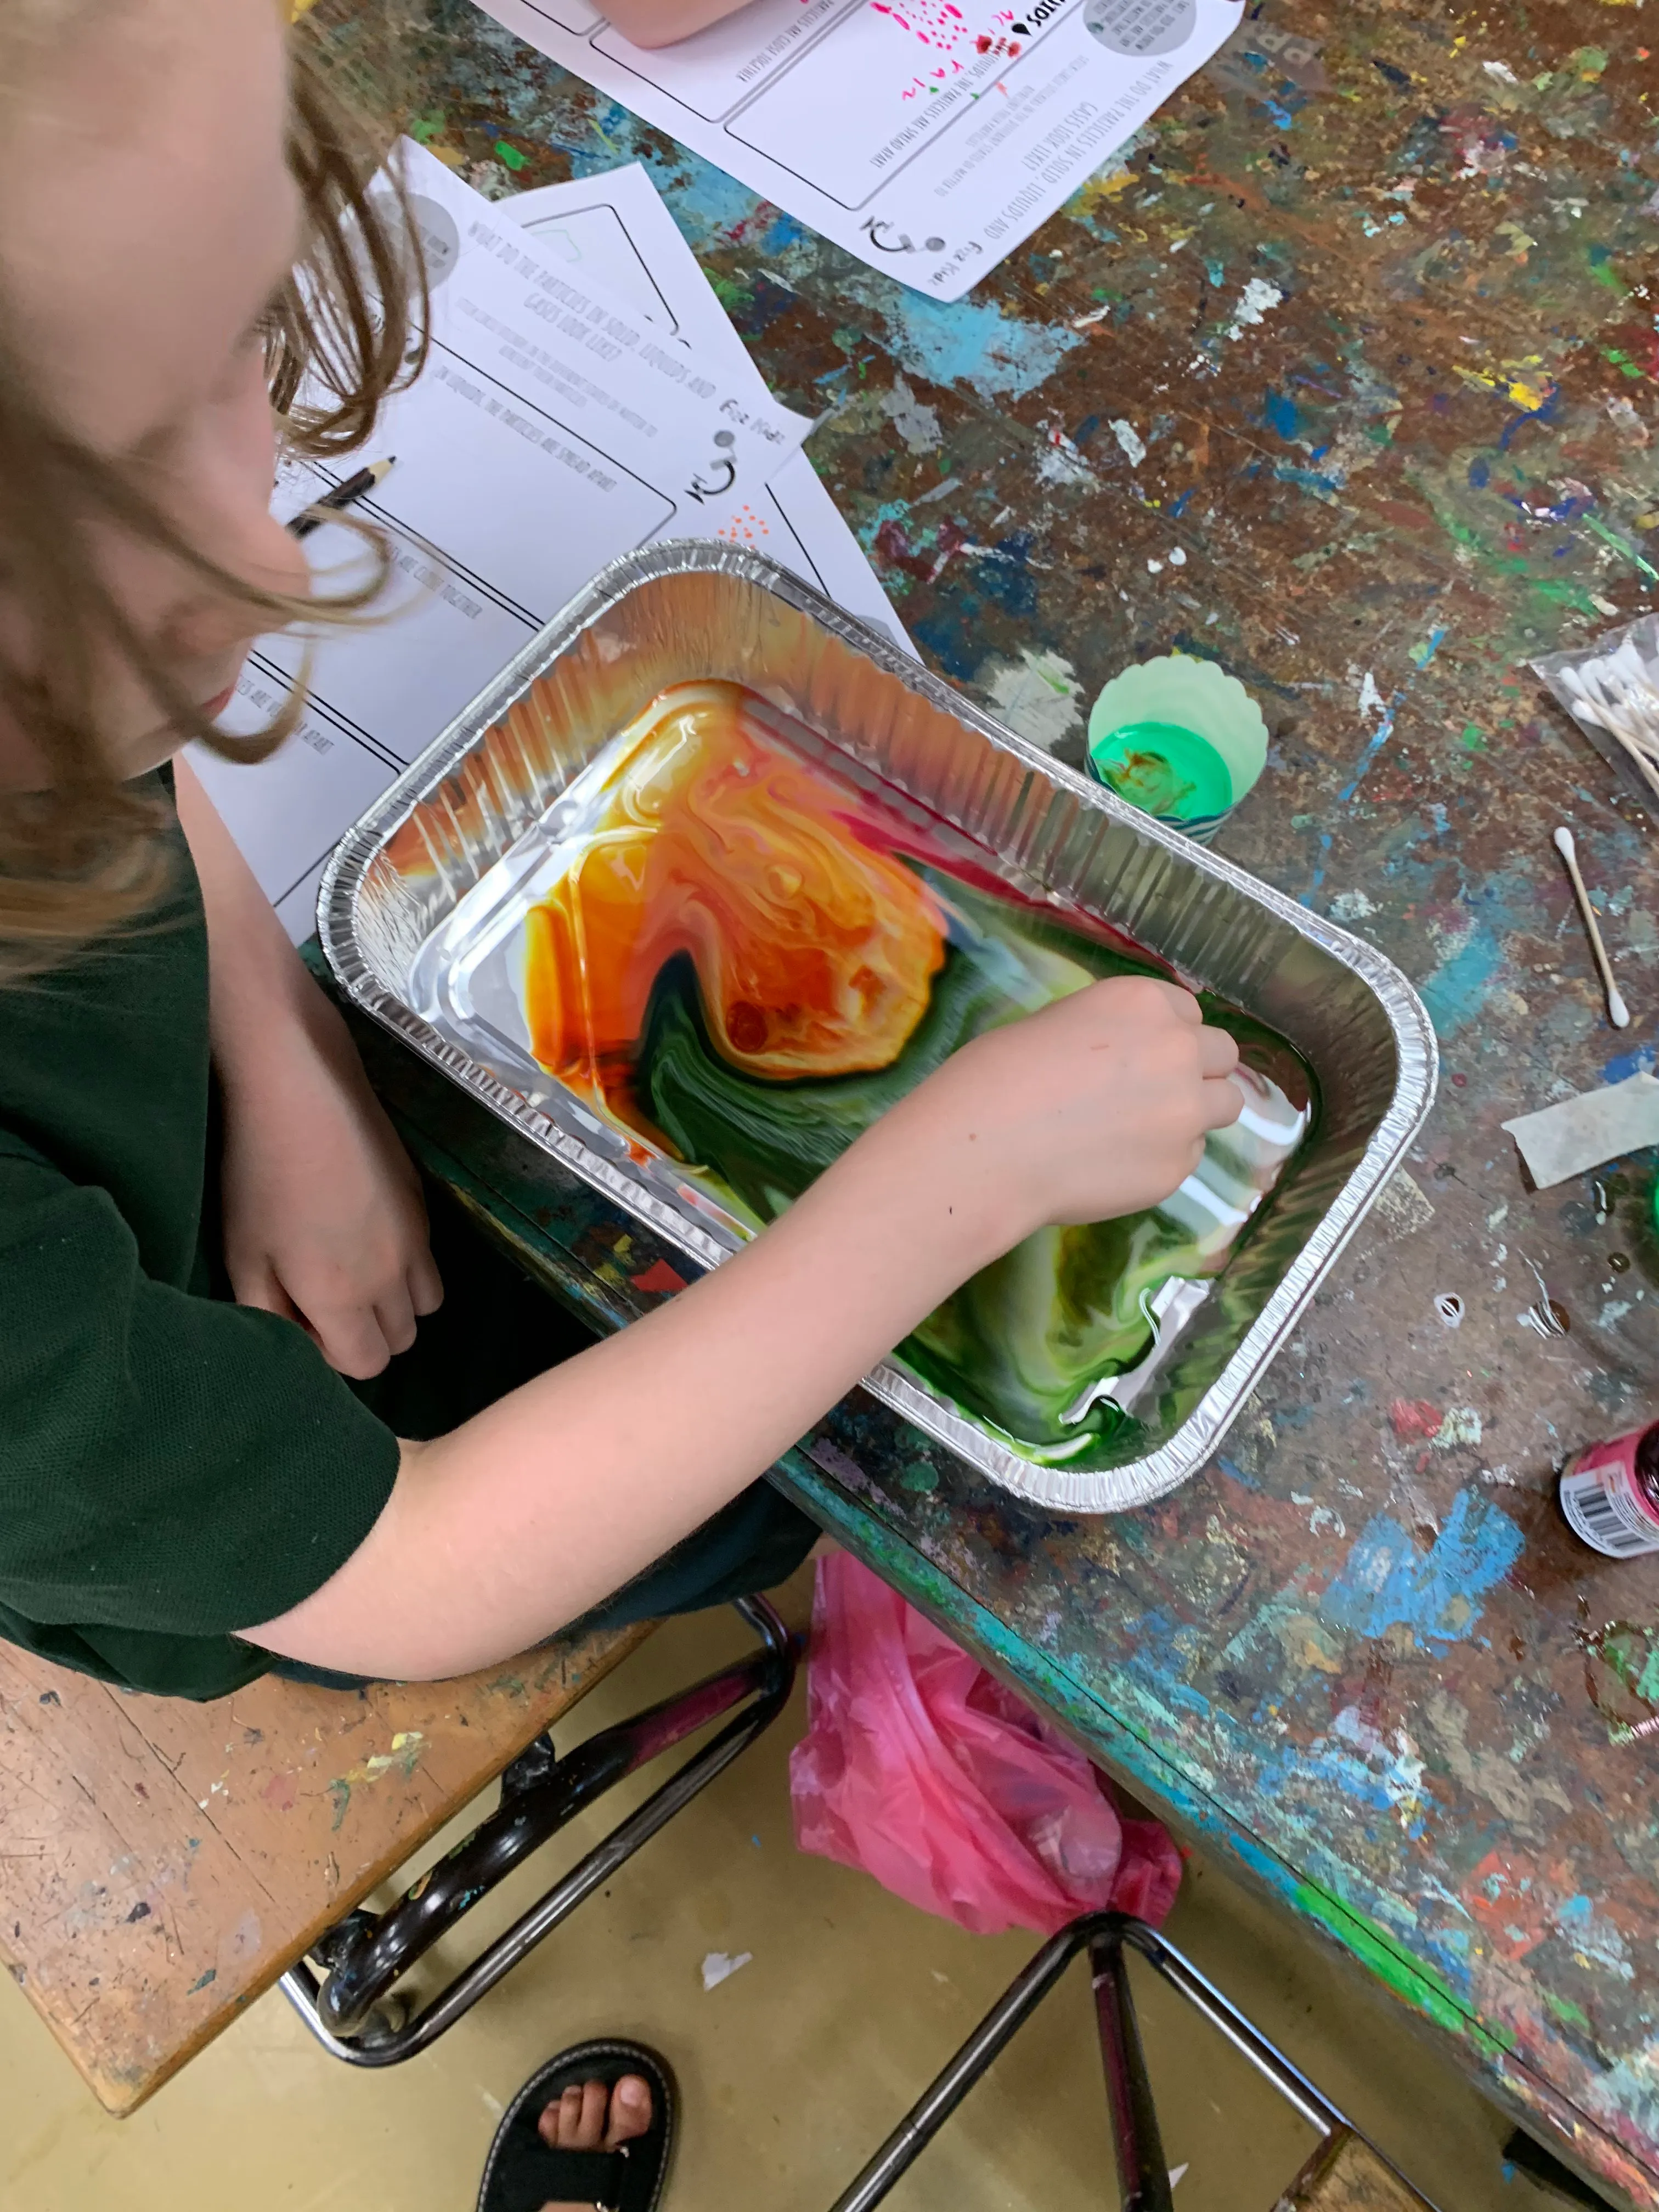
953	644
1387	1582
972	342
1005	575
1623	1064
1279	415
1455	993
1314	480
1378	738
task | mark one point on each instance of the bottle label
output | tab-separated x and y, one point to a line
1603	1506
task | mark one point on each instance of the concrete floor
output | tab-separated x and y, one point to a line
792	2071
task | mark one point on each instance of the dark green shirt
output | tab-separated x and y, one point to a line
173	1467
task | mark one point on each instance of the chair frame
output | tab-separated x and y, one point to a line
1143	2170
348	2005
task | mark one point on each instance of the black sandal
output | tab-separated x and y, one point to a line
521	2173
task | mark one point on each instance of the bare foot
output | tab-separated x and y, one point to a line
592	2117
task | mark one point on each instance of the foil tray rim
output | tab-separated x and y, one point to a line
1090	1490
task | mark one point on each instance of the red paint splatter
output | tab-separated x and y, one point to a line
925	563
943	25
1415	1416
1513	1901
281	1791
658	1277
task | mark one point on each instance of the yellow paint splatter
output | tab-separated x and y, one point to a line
1526	391
404	1757
1099	189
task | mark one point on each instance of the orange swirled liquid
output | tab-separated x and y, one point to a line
746	961
815	951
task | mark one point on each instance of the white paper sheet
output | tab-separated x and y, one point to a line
553	429
619	225
929	137
1570	1138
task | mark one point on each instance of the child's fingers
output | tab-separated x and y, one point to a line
255	1284
1149	995
394	1313
350	1338
426	1284
1223	1101
1218	1052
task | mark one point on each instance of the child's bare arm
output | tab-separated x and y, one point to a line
662	22
324	1220
533	1511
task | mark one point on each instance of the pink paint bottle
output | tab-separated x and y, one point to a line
1610	1494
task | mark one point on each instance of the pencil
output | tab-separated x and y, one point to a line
313	517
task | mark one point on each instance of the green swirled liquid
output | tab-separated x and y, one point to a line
1026	1346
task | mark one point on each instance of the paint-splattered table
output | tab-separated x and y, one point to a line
1345	377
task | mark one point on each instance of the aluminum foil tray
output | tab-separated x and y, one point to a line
694	609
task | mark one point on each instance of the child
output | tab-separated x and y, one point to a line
193	1275
214	1256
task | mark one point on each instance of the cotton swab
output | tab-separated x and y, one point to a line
1618	1011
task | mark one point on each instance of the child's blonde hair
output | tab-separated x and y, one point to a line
88	854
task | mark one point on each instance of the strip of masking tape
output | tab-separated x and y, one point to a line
1588	1131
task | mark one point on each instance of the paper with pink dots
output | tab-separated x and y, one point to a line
929	137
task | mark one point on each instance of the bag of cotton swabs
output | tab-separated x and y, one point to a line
1611	689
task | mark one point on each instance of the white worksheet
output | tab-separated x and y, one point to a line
553	429
619	225
929	137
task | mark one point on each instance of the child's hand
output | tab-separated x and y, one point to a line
664	22
324	1220
1093	1108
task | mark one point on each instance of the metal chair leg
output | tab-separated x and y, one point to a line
994	2033
1143	2170
1143	2180
541	1793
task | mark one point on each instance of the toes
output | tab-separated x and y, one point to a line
630	2110
560	2120
590	2127
588	2117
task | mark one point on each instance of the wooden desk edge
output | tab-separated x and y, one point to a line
121	2095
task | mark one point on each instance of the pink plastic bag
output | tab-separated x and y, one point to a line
921	1768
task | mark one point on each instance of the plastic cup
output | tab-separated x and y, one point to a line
1179	738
